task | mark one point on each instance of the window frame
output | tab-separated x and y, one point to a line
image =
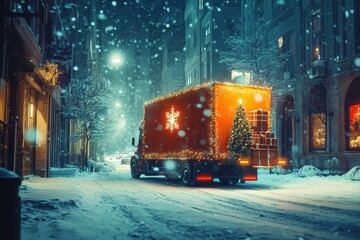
318	108
352	98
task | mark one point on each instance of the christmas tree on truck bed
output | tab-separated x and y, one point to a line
240	138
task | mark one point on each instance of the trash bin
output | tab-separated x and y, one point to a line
10	208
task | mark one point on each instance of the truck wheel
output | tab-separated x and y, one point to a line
134	174
233	181
187	175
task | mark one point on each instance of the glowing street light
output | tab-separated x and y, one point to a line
116	60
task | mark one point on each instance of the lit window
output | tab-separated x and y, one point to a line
240	77
318	118
354	128
318	131
352	116
280	41
31	111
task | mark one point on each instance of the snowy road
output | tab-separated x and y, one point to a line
117	207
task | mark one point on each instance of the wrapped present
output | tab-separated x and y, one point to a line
259	120
256	137
271	141
262	139
259	146
263	157
269	134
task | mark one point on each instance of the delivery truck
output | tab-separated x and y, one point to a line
184	135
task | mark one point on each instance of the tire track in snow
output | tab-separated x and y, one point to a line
306	215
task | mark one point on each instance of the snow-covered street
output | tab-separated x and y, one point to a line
115	206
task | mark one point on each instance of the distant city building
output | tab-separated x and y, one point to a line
208	24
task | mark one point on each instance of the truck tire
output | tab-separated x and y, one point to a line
134	174
187	176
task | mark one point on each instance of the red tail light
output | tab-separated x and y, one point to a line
250	178
204	178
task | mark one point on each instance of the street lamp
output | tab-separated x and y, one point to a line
116	60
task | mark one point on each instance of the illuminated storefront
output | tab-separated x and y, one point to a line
354	126
352	117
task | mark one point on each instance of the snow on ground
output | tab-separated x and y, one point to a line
51	207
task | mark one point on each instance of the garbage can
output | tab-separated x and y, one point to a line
10	208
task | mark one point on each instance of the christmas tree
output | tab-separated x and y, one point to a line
240	137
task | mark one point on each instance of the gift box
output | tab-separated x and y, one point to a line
264	157
259	120
256	137
271	141
269	134
262	139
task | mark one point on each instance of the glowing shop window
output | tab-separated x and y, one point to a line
318	131
354	128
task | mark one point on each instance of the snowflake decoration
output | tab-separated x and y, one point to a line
171	119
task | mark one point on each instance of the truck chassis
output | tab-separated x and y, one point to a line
193	172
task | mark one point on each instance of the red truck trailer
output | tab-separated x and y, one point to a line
185	135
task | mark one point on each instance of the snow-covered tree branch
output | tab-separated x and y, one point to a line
252	51
88	103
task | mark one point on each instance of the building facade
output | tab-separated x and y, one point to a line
173	54
318	106
29	99
207	25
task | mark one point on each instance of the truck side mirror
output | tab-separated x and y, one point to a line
133	142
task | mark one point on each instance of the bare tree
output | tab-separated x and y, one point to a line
88	103
252	51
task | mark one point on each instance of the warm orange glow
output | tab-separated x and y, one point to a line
354	126
250	178
226	101
282	162
256	166
204	178
244	162
204	117
354	113
31	111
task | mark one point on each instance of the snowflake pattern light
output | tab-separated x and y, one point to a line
172	119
